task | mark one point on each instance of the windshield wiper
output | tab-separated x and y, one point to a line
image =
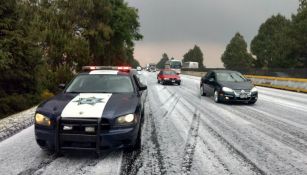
233	78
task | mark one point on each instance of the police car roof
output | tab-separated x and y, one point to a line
105	72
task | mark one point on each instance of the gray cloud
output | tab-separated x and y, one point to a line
205	21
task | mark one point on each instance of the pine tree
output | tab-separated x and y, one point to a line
236	56
271	45
194	55
163	60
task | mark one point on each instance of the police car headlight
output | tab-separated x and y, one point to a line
126	119
226	89
40	119
254	89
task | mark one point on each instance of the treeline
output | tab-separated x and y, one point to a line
43	42
280	43
193	55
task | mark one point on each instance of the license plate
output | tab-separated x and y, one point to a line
173	81
89	129
243	95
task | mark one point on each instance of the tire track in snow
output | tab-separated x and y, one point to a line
168	112
131	163
231	147
155	141
85	168
42	165
170	97
150	159
279	130
190	146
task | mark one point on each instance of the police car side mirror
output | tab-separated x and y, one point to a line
143	88
62	86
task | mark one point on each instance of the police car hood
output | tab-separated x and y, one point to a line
237	85
121	104
89	105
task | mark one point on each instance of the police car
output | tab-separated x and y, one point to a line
101	108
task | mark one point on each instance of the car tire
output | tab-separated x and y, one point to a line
48	150
137	145
179	83
216	96
202	93
158	81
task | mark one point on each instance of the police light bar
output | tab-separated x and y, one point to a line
124	68
90	68
120	68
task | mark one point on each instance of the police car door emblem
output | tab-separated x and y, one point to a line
90	101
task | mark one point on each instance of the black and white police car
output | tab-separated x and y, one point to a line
101	108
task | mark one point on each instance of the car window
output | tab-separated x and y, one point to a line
101	84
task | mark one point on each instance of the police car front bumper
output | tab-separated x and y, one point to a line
104	137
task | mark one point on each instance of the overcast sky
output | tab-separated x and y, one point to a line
175	26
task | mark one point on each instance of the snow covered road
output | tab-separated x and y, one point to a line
185	133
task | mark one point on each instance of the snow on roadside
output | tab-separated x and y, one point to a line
15	123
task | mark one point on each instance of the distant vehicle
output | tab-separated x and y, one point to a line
228	86
168	76
175	65
190	65
99	109
152	68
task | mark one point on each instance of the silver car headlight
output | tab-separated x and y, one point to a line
226	89
254	89
126	119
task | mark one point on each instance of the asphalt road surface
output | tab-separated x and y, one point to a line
185	133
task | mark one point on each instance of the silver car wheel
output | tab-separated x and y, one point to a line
216	96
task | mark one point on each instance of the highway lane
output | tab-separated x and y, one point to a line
185	133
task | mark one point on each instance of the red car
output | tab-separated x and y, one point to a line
168	76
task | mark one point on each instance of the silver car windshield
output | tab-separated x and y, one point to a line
230	77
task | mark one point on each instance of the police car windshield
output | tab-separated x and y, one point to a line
100	83
230	77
